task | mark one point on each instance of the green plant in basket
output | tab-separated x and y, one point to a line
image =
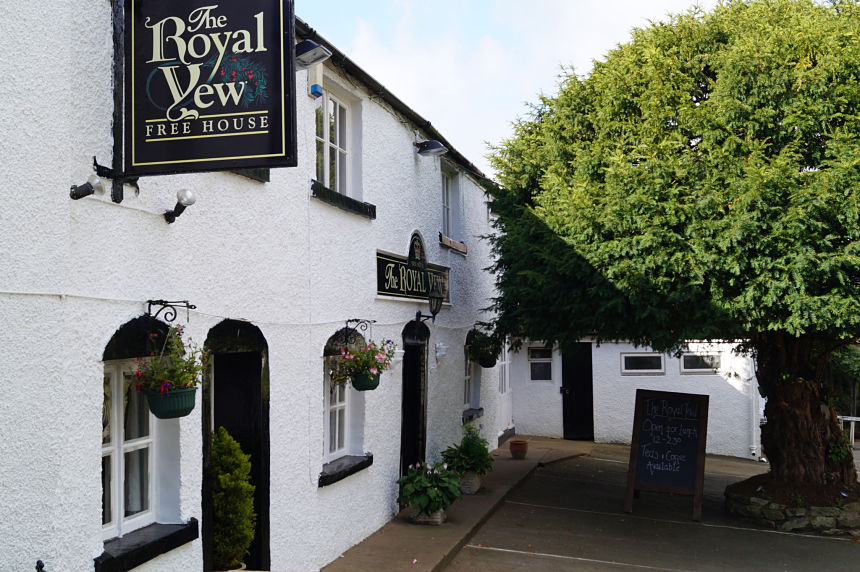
176	365
369	359
472	454
429	487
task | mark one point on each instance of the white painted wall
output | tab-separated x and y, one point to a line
734	404
72	272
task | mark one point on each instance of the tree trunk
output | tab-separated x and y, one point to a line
802	439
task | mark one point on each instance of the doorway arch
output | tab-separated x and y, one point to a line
237	398
413	421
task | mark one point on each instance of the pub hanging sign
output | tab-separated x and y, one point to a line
209	85
410	276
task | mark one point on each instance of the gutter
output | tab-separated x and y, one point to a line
339	60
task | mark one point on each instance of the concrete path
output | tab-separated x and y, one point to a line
561	509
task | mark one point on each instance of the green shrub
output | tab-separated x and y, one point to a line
472	454
428	487
233	500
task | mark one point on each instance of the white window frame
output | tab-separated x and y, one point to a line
467	380
451	203
630	371
332	408
701	371
504	380
118	447
447	191
548	360
342	146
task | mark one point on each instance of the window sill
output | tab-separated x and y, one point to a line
472	414
143	545
459	247
343	202
340	469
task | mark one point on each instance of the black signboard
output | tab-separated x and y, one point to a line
410	276
209	85
667	452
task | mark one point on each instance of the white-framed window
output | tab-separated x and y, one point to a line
343	406
502	367
642	363
467	380
447	184
700	363
333	143
337	417
128	453
450	202
540	363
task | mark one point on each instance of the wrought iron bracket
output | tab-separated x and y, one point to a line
169	308
350	334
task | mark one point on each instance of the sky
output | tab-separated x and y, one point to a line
471	67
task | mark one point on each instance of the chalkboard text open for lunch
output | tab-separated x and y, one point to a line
667	450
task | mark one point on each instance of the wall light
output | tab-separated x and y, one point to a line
93	185
431	147
184	198
309	53
435	299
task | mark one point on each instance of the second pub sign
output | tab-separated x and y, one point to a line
209	85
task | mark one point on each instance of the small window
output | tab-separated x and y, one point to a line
540	364
642	364
335	156
447	183
127	452
502	366
700	363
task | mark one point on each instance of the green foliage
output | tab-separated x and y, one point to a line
369	359
702	182
472	454
839	450
176	365
483	348
429	487
233	500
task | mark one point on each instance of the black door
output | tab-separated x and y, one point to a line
413	412
576	390
240	408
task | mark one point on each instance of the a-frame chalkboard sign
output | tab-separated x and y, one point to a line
667	452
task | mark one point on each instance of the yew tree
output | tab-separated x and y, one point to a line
701	183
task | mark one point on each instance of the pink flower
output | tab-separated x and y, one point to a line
373	370
165	387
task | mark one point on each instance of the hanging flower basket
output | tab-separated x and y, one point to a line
365	381
171	404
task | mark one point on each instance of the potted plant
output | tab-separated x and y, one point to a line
483	348
361	366
169	378
429	489
471	459
233	502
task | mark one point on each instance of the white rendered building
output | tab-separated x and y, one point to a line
274	270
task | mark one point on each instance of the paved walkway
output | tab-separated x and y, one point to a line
401	545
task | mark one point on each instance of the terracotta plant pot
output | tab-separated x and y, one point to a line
435	518
470	482
519	448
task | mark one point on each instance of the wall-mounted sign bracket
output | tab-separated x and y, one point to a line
170	307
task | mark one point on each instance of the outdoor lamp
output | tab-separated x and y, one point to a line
435	298
431	147
93	185
308	53
184	198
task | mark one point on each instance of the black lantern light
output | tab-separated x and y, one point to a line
435	298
